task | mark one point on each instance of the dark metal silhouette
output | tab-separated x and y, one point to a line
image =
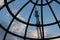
27	23
38	22
40	32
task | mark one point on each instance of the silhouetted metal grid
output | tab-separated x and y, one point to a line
27	23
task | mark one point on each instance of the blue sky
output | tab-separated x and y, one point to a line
52	30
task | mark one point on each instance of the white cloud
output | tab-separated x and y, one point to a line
20	17
57	39
1	2
33	33
17	28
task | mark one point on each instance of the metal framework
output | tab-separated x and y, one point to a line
27	23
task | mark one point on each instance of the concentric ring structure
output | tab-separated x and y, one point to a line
41	5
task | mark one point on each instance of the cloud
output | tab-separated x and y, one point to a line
57	39
20	17
33	33
1	2
17	28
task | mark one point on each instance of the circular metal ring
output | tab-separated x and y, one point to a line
42	4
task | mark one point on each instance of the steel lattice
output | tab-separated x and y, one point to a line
27	23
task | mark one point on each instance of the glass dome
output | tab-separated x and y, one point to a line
30	20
